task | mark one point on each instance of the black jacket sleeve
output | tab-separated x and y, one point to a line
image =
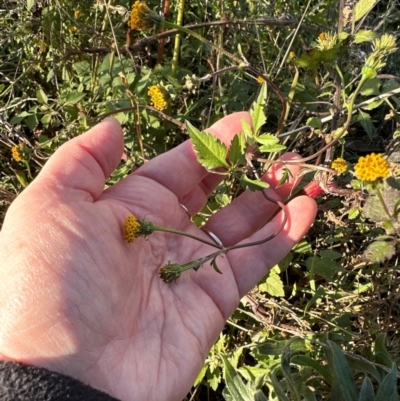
20	382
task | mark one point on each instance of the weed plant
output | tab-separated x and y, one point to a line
321	78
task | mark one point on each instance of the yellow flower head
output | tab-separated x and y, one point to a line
322	36
260	80
72	30
292	55
339	165
372	167
157	97
142	18
134	228
77	14
16	153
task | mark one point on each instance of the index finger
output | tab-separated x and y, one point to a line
178	169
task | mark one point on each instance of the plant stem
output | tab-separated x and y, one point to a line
380	197
172	231
177	44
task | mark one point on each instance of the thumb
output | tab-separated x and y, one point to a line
84	163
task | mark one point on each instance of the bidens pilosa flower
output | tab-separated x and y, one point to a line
134	228
372	167
142	18
339	165
16	153
157	97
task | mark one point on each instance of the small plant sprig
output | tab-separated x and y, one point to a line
213	154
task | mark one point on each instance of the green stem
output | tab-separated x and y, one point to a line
177	44
172	231
380	197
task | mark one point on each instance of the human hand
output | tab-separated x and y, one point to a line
77	299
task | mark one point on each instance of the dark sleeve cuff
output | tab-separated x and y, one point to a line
27	383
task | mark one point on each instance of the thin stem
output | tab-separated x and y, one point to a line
172	231
177	44
380	197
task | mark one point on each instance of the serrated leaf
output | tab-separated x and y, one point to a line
270	143
365	35
314	122
367	391
257	110
343	373
379	251
253	185
201	375
41	96
211	152
362	8
272	148
234	383
248	132
273	285
236	150
267	139
365	121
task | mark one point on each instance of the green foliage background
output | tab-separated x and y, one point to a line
324	324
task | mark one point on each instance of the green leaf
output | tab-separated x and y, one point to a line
365	36
329	254
371	87
304	360
201	375
30	4
387	389
365	121
237	149
362	8
257	110
272	347
267	139
211	152
253	185
248	132
270	143
379	251
343	373
272	148
72	98
314	122
324	267
273	285
21	177
285	365
280	393
367	391
41	96
234	384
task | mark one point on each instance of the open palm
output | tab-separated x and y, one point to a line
78	299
